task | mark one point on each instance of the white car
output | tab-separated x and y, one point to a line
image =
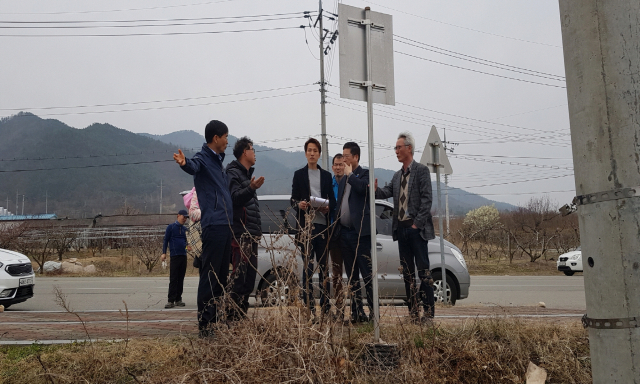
570	262
16	278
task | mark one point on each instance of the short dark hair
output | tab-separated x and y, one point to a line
337	156
242	144
353	147
215	128
313	141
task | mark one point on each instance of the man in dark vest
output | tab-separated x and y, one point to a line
175	238
247	228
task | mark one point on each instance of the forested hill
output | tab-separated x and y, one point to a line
100	168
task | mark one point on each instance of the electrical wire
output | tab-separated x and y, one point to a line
171	107
156	34
474	70
155	101
477	60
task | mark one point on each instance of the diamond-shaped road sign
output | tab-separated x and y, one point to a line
427	154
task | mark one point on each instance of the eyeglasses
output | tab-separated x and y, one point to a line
397	147
250	149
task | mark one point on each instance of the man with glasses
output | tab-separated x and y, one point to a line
247	226
412	225
355	234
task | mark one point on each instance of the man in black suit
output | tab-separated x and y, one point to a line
355	234
313	181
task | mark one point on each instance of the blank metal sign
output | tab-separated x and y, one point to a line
353	55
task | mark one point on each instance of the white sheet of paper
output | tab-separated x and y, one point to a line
317	202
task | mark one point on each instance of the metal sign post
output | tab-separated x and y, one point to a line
435	152
366	63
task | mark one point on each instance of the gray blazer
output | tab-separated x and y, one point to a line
420	198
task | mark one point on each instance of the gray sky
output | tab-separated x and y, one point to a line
493	118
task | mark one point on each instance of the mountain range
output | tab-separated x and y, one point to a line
101	169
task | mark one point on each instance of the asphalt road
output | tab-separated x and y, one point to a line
140	293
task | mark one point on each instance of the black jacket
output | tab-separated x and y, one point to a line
246	210
358	200
301	190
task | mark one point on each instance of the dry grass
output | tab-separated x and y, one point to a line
283	346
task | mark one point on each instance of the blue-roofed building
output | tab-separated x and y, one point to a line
43	216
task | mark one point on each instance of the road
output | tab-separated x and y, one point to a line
140	293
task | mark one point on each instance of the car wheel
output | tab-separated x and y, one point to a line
452	291
275	291
569	273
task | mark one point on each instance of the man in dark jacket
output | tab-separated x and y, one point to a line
308	182
355	235
210	180
412	224
246	227
175	238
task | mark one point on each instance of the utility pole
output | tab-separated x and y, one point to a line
446	183
161	196
17	197
46	202
23	205
323	116
602	65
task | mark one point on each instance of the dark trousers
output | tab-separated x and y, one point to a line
318	251
177	270
216	255
414	251
245	264
356	253
336	275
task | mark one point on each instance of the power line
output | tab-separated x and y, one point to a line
157	34
171	107
151	20
173	24
155	101
117	10
480	61
474	70
467	28
519	181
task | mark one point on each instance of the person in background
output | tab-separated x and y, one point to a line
355	235
334	241
313	181
412	225
212	184
247	226
175	238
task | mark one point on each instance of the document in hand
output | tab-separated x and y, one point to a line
317	202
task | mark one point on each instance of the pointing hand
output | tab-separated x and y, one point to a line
179	158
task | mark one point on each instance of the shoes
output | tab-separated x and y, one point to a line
361	318
169	304
179	303
206	334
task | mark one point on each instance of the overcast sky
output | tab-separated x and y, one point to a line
180	78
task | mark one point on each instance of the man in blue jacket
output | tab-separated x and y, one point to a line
175	238
210	180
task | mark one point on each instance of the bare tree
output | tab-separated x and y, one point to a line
63	239
38	246
148	249
127	210
529	227
10	233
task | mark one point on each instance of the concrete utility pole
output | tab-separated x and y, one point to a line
446	184
161	196
23	205
601	42
323	116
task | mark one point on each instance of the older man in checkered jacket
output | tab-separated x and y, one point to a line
412	225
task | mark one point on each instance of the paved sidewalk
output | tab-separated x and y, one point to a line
59	327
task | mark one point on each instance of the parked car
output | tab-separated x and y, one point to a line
570	262
279	227
17	278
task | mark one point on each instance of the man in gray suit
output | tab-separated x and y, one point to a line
412	225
